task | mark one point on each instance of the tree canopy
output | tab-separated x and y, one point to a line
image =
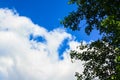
102	57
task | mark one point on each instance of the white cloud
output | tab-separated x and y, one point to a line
22	59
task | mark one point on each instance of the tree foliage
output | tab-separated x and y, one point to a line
102	57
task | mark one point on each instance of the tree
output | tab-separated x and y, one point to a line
102	57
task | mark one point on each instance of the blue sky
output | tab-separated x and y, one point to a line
43	12
33	43
47	13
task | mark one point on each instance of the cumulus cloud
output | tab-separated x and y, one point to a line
22	58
